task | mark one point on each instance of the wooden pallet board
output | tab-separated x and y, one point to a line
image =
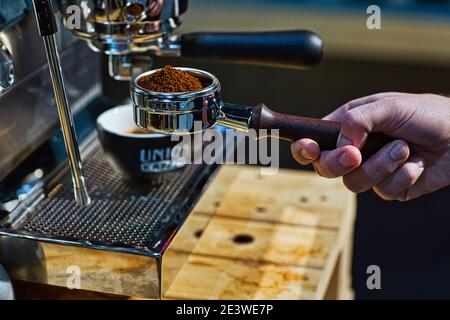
289	197
219	278
239	239
271	237
217	190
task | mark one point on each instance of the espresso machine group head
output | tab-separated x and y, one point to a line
131	31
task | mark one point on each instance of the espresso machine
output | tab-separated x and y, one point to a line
129	238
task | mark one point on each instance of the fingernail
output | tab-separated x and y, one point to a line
343	141
398	151
305	154
346	159
419	163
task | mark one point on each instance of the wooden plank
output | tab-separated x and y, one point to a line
291	197
292	221
216	191
346	233
217	278
192	230
267	242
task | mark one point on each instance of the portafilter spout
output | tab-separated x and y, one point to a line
47	29
181	113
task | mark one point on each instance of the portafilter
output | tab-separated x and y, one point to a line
180	113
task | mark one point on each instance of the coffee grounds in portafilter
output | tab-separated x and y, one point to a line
170	79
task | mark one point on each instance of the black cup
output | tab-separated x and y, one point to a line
136	156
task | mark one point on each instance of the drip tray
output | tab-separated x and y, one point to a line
119	244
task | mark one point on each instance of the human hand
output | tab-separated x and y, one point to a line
416	163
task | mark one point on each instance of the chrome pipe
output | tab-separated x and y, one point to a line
66	120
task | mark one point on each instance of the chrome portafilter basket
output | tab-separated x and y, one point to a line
191	112
186	112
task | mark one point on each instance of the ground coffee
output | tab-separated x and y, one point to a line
170	79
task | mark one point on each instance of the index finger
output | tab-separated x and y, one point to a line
337	114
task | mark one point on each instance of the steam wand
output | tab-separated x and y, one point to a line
47	28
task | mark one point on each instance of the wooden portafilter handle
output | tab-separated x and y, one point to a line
324	132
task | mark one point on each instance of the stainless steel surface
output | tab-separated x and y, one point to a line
7	72
127	27
235	116
6	289
124	26
32	94
65	265
177	112
126	242
66	121
131	214
188	112
126	67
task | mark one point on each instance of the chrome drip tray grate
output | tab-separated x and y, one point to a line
121	214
